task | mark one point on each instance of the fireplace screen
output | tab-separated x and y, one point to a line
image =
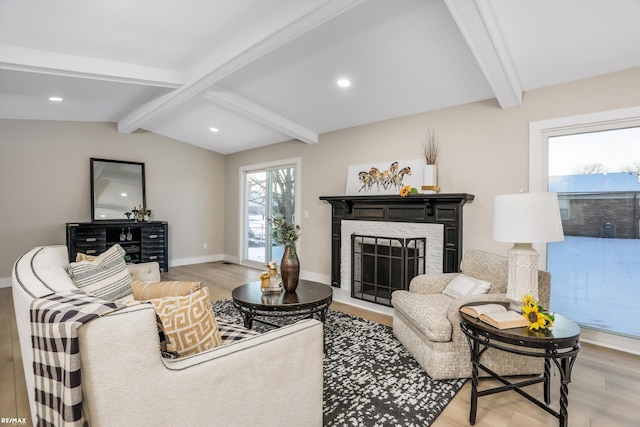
381	265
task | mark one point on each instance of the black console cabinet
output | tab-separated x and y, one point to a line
143	241
443	209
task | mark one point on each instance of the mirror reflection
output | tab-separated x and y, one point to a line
116	188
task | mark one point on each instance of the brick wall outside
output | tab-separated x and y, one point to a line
608	216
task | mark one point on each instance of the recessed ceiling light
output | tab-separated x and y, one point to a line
123	194
215	130
344	83
55	99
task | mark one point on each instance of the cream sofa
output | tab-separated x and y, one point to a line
427	322
273	379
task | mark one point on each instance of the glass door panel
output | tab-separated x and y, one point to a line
596	269
255	216
282	202
267	193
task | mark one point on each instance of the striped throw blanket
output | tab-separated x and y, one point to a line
55	319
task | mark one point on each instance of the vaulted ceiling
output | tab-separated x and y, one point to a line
265	71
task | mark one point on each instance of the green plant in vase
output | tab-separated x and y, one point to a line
284	233
287	234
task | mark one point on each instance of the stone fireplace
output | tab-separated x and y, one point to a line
436	218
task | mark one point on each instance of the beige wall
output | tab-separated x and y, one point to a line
44	183
44	170
484	152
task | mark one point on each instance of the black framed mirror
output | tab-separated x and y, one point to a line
117	187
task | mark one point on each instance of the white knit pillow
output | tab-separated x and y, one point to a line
107	276
463	285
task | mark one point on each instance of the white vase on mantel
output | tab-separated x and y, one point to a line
430	179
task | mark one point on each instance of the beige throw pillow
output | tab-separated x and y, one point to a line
188	322
143	291
107	276
84	257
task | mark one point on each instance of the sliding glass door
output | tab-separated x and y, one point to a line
596	269
268	191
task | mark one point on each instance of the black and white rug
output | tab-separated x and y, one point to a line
369	377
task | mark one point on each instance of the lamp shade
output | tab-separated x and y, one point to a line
527	218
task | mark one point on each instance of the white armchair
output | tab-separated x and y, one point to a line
427	322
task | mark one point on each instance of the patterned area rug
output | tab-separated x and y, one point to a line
369	377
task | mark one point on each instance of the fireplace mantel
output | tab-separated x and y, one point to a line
445	209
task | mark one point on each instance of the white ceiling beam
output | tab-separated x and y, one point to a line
259	114
46	62
477	24
230	58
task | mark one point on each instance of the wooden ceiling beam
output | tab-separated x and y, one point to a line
477	23
231	57
243	107
47	62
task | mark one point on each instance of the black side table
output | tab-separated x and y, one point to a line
559	345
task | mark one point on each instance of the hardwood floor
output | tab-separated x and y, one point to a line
603	393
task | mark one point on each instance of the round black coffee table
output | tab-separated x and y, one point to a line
308	300
559	345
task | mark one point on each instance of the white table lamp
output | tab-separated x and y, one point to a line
523	219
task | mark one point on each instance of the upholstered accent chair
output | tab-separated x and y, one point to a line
427	322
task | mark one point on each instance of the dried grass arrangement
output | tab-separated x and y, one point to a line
431	147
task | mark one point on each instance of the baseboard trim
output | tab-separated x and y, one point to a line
325	279
612	341
232	259
344	296
196	260
5	282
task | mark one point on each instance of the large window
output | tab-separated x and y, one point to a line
597	266
593	163
268	190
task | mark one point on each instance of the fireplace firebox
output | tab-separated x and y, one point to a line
381	265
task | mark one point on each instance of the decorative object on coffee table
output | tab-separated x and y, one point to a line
270	280
284	233
290	269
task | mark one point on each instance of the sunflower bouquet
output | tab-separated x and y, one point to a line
407	189
538	317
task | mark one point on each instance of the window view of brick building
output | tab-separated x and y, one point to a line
599	205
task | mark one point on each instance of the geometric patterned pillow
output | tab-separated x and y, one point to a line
188	322
107	276
143	291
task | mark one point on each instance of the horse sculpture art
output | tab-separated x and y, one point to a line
386	179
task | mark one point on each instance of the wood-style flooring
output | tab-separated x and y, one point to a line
604	391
